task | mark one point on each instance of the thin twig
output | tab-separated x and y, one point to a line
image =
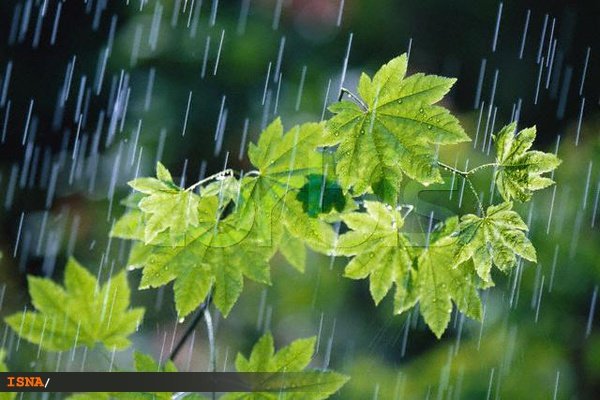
353	97
482	166
199	316
465	173
479	204
447	167
220	174
465	176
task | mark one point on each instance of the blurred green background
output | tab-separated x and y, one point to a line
538	339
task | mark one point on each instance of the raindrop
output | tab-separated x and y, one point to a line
264	97
345	64
279	59
325	100
556	385
155	26
550	42
340	13
300	88
219	52
5	123
205	59
585	66
524	37
579	121
175	15
27	122
564	92
277	14
596	200
497	29
55	24
187	113
242	22
213	13
543	36
590	320
149	87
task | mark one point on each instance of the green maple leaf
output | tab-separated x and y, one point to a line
293	249
282	161
293	358
4	368
216	252
519	170
439	282
130	226
142	363
496	238
82	313
381	252
166	206
133	396
226	188
220	252
315	232
145	363
395	133
320	196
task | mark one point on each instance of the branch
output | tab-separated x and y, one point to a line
199	316
447	167
211	339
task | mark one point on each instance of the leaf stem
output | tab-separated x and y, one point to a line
479	204
254	172
465	176
447	167
199	316
482	166
354	97
465	173
220	174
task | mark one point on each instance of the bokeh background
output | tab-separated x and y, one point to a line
202	83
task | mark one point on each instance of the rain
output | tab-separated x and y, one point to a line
93	94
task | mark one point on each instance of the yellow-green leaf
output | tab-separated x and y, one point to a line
395	132
83	312
293	358
440	282
519	170
496	238
165	206
380	251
